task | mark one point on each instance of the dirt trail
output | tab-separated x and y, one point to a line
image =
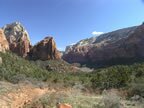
22	96
25	96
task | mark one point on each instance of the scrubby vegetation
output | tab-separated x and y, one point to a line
59	66
131	77
14	69
77	101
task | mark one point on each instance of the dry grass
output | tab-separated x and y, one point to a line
77	100
28	95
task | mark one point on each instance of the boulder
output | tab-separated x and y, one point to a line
45	50
3	42
18	38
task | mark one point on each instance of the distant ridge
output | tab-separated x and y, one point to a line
124	43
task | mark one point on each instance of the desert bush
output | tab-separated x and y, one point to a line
110	99
136	87
15	69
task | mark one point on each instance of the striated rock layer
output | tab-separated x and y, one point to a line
18	38
3	42
45	50
124	43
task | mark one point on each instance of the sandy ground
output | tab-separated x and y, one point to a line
19	95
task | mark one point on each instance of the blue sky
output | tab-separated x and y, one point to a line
69	21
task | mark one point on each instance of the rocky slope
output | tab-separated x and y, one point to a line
3	42
123	43
18	38
45	50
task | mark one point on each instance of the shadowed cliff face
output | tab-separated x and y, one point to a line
3	42
124	43
18	38
45	50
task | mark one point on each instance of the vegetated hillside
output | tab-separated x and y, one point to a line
128	78
15	69
59	66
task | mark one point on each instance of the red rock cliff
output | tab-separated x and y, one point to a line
45	50
125	43
18	38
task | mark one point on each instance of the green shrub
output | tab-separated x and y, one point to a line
15	69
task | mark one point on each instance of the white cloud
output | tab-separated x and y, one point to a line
95	33
72	44
61	48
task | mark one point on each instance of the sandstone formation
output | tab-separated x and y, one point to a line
45	50
3	42
18	38
121	44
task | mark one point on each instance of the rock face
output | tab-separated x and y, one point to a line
3	42
45	50
18	38
19	43
124	43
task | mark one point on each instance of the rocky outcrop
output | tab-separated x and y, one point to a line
45	50
124	43
3	42
19	43
18	38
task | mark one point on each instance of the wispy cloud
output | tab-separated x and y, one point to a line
97	33
61	48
